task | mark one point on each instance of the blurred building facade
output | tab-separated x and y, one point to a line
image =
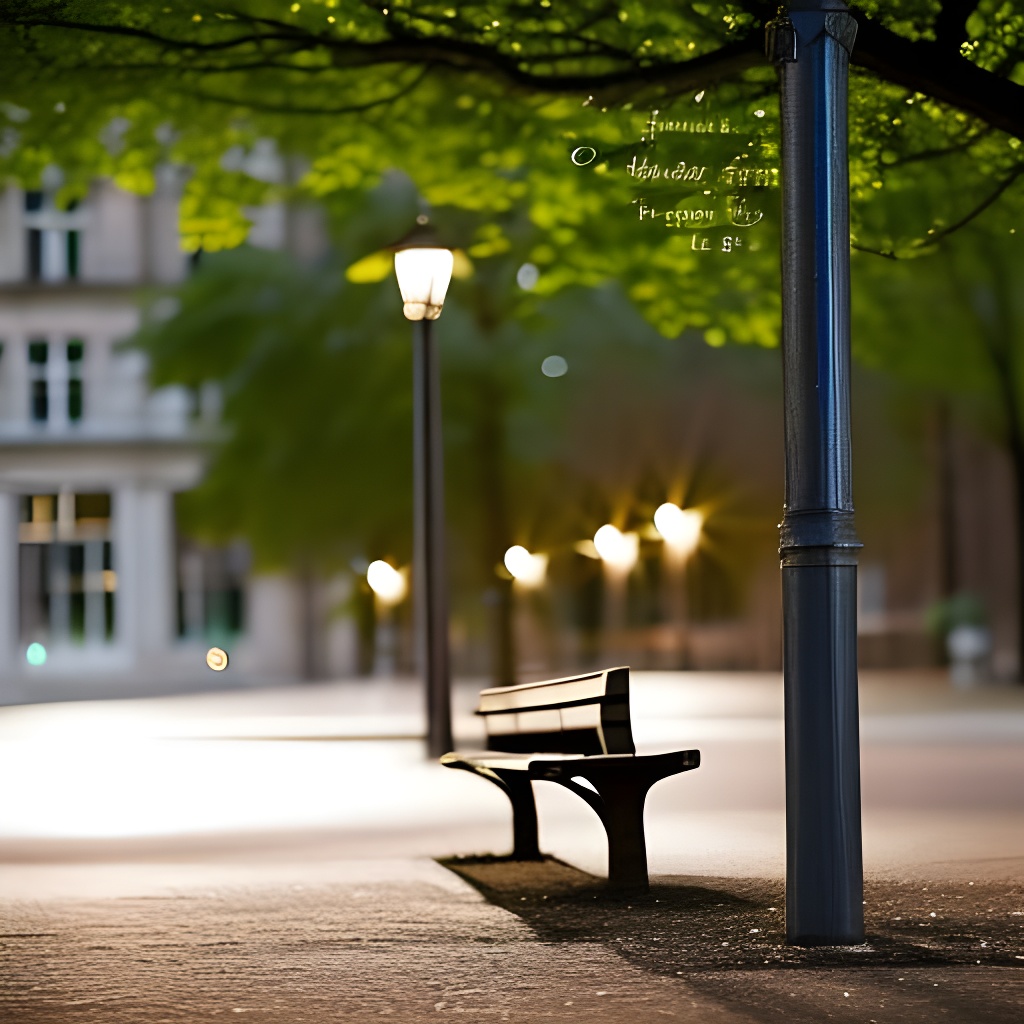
99	596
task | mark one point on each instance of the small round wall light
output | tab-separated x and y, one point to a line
217	659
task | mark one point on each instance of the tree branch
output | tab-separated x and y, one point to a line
925	67
285	108
938	236
590	66
619	83
167	42
887	254
976	212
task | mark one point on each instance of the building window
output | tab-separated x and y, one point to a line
66	580
56	389
76	354
39	385
54	238
211	591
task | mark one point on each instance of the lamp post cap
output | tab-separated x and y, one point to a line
423	235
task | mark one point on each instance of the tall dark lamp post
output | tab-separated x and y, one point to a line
811	43
423	272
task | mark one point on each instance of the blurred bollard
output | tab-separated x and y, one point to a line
969	649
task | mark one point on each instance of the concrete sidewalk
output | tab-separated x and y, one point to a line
354	940
399	938
154	869
192	777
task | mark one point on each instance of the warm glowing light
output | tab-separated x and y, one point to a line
680	527
386	582
36	655
525	567
423	278
217	659
616	548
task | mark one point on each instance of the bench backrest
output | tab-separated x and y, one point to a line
587	714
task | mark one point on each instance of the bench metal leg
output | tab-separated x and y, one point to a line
620	806
525	844
620	788
516	785
623	820
619	803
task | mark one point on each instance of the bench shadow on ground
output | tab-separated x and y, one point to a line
687	924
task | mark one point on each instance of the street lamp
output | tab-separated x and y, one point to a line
423	272
680	529
618	550
619	553
386	582
524	567
389	589
423	276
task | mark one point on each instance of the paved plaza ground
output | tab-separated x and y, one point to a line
272	856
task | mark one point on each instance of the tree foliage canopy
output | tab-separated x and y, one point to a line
483	105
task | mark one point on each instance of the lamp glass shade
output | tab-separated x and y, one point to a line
423	277
678	526
617	549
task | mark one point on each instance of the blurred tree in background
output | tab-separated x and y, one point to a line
952	327
314	369
482	105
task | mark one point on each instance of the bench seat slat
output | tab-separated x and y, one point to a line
498	759
523	762
544	720
553	692
586	714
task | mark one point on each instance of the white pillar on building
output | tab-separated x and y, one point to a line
94	593
54	254
14	372
57	385
60	593
158	592
10	652
144	562
127	561
13	256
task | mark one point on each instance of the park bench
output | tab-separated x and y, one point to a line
576	732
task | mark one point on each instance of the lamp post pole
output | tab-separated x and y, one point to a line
424	271
431	590
811	45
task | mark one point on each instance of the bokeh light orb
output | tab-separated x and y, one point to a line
554	366
524	567
527	277
217	659
386	581
679	527
35	655
618	549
